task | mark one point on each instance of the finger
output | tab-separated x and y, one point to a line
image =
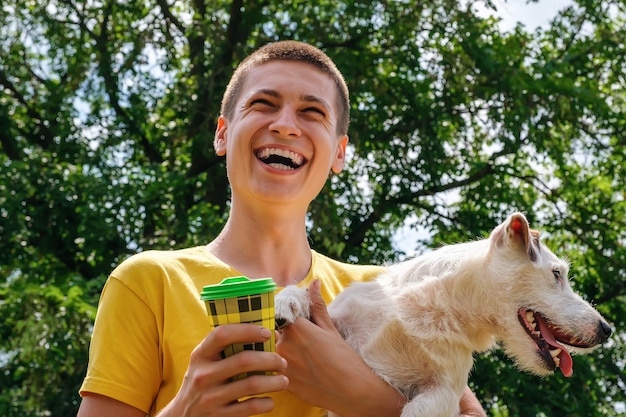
319	312
247	361
227	334
250	361
229	397
259	385
252	406
469	405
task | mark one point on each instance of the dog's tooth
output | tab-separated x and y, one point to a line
557	361
555	353
530	317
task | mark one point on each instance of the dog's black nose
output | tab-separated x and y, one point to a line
605	330
281	322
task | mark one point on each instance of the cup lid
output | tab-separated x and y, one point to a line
237	287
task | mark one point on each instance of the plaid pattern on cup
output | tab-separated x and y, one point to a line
257	309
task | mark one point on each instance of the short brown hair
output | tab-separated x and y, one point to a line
289	51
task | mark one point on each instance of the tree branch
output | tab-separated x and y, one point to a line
43	136
110	84
169	17
412	198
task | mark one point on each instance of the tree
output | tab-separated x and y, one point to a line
107	115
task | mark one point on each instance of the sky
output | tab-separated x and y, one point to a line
531	15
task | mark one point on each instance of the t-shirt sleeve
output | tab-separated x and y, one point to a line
124	352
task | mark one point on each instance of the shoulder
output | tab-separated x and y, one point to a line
161	256
151	260
165	268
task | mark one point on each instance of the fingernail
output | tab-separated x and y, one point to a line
284	362
265	333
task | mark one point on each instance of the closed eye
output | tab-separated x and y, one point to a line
261	101
557	275
315	104
315	110
262	97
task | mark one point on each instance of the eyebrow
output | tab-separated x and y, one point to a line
305	97
315	99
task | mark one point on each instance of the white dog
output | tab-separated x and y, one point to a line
419	322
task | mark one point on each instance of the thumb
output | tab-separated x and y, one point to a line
319	312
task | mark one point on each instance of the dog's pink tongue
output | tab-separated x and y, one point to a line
566	364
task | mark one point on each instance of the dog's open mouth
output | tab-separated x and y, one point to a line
550	341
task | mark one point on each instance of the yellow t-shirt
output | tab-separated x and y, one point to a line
150	318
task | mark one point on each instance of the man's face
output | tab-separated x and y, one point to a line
281	143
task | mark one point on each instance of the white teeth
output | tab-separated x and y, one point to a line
281	167
555	353
557	361
267	152
532	324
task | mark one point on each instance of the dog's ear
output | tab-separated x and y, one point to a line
515	231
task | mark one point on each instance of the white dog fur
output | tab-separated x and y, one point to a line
418	324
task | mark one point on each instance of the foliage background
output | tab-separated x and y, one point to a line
107	115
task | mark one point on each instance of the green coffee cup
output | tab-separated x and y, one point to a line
242	300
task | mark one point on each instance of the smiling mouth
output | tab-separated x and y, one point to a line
281	159
550	340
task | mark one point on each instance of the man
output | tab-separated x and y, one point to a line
283	129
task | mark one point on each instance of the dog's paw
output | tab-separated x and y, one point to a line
289	304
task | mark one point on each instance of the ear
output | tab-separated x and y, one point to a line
515	232
340	156
219	142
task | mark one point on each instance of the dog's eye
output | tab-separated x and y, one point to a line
557	275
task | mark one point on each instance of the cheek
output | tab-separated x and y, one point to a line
328	150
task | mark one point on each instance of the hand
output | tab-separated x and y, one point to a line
206	389
325	371
469	405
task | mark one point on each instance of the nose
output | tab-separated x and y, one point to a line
286	123
604	331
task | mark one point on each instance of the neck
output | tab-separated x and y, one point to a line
266	244
474	310
450	295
